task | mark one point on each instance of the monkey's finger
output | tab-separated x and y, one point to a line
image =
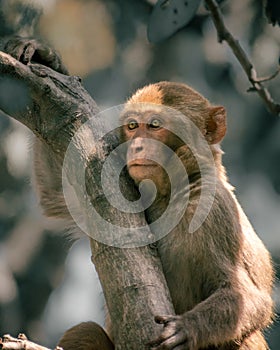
168	332
176	342
28	53
156	342
169	344
51	59
163	319
180	347
15	47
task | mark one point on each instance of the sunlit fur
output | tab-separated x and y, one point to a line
220	277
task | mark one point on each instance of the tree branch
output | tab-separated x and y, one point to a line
225	35
20	343
54	108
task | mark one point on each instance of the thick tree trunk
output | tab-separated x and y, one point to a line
54	107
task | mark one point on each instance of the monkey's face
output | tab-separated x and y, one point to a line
147	153
147	119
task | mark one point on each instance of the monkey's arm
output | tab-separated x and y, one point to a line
229	315
47	170
48	180
225	317
235	268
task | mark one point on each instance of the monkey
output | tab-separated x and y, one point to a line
220	277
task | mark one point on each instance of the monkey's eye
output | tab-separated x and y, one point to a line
155	123
132	124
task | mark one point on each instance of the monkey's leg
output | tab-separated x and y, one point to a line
86	336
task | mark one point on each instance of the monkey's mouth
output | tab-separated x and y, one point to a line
141	162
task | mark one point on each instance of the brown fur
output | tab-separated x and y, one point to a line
220	277
86	336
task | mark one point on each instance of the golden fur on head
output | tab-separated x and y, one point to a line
190	103
170	94
150	93
176	95
185	100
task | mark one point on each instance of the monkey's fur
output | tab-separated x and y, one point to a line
220	277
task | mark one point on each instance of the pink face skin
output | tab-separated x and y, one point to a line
141	129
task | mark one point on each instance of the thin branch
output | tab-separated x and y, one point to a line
20	343
269	78
225	35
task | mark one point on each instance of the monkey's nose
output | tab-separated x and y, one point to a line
137	146
138	149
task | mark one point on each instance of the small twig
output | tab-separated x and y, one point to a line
20	343
225	35
271	77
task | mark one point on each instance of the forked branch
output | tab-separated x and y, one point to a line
257	83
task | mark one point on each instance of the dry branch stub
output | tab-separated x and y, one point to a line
20	343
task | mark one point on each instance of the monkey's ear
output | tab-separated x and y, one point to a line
216	124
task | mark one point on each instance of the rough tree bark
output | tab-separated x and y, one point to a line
54	108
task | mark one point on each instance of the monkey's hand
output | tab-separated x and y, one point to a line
176	334
28	50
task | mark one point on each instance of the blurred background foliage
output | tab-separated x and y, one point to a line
47	284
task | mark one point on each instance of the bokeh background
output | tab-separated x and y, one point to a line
47	282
